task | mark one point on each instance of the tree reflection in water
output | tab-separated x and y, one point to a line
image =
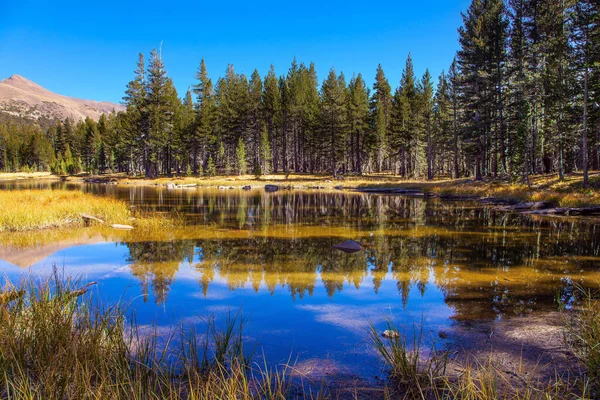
488	263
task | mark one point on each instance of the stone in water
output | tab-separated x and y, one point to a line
390	334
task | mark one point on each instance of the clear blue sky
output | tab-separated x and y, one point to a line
88	49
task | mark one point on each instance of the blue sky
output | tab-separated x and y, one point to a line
88	49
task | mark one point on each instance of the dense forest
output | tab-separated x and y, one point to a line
520	98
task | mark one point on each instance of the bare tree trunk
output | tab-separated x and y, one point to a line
584	148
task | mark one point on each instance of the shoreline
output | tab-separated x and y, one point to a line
546	195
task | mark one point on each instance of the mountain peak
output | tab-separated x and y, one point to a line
21	96
16	80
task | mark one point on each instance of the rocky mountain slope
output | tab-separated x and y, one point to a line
22	97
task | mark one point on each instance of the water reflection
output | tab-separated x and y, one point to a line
487	263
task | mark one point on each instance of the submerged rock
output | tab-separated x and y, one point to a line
349	246
390	334
271	188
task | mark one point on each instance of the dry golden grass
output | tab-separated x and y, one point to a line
567	193
7	176
23	210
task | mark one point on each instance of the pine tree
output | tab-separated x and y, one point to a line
380	113
585	38
241	165
271	110
135	126
333	118
358	120
203	140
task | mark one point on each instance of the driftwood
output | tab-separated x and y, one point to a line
567	211
119	226
530	205
392	191
88	218
349	246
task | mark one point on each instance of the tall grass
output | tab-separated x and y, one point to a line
57	343
23	210
410	371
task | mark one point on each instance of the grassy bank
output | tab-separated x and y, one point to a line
569	192
32	210
24	210
57	342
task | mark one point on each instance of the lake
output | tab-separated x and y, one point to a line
426	262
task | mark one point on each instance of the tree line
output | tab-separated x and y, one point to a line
520	98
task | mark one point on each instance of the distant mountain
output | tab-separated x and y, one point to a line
21	97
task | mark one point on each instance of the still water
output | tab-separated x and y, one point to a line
425	262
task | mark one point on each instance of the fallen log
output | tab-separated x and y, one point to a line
567	211
413	192
528	205
119	226
88	218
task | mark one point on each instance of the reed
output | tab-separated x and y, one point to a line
411	372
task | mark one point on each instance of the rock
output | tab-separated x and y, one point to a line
119	226
349	246
247	187
170	186
339	187
271	188
221	187
390	334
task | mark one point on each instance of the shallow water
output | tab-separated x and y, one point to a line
425	262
